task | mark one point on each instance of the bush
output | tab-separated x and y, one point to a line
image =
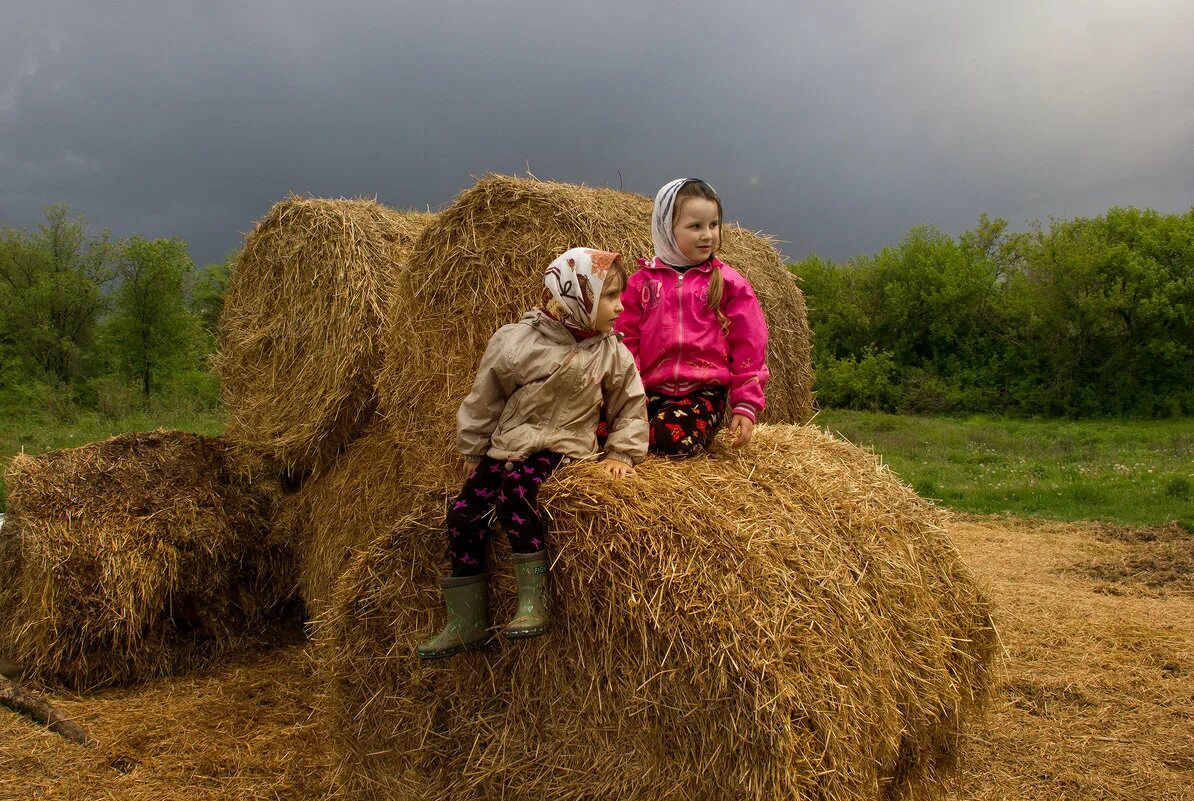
114	398
60	402
20	394
926	392
923	392
1084	317
870	382
190	391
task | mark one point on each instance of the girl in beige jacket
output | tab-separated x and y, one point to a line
543	384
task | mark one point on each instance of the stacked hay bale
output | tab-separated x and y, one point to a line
480	265
789	621
300	340
785	622
333	515
137	556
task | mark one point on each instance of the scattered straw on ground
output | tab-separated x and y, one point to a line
1097	696
300	337
1160	558
239	732
480	265
136	556
791	622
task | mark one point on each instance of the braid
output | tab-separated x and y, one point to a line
716	286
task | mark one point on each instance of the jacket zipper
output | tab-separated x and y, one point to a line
680	329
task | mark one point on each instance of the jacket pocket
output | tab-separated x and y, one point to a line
510	412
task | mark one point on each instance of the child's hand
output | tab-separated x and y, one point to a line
469	466
617	469
741	429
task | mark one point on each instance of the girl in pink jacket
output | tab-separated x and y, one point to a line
694	326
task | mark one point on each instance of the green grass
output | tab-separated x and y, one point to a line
1118	471
35	434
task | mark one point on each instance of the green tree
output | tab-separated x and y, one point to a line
924	313
151	333
207	295
833	294
52	292
1089	316
934	302
1102	314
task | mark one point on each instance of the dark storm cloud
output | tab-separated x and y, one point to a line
835	129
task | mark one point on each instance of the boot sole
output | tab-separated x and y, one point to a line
525	634
454	650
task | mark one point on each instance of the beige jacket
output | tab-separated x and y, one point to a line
538	388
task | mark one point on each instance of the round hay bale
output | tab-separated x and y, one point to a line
340	511
137	557
785	622
480	265
300	339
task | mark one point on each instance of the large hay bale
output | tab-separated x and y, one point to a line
136	557
480	265
300	339
335	514
788	622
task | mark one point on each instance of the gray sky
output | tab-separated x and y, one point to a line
833	126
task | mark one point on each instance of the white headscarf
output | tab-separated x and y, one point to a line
666	248
573	287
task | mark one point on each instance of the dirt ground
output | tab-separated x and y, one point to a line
1097	694
1096	698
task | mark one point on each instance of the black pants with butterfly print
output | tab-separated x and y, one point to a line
684	425
507	491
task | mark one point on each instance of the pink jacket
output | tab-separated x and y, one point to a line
677	340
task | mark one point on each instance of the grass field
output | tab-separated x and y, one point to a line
1116	471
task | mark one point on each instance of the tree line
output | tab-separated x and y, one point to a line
1084	317
89	321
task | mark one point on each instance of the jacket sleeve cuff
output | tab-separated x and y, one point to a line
620	456
746	410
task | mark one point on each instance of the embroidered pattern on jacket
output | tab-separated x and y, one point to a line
652	293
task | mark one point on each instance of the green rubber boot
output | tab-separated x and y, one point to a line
530	620
467	601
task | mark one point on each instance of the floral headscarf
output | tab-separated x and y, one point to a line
573	286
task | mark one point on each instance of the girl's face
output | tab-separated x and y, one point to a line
609	305
697	228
